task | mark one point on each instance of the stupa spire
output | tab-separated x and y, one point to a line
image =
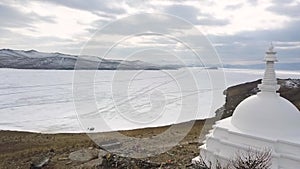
269	81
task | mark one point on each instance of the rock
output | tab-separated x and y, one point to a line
170	154
101	153
69	162
115	161
91	164
63	159
83	155
51	150
110	144
39	163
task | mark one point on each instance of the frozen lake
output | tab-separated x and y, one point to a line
43	100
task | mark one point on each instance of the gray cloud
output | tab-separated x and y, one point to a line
91	5
184	11
281	2
251	45
283	8
15	40
142	23
213	22
253	2
11	17
190	14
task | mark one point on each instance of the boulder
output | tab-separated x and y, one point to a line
91	164
83	155
39	163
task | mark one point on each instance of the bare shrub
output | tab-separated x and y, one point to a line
204	164
252	159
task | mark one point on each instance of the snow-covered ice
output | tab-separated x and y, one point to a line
43	100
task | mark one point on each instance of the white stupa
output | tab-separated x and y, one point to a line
261	121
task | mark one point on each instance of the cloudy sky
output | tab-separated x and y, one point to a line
240	30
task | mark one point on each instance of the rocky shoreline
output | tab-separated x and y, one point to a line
35	150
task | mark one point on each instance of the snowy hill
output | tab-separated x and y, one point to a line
31	59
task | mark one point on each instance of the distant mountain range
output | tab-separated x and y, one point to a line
32	59
279	66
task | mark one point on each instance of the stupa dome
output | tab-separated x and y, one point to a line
267	114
